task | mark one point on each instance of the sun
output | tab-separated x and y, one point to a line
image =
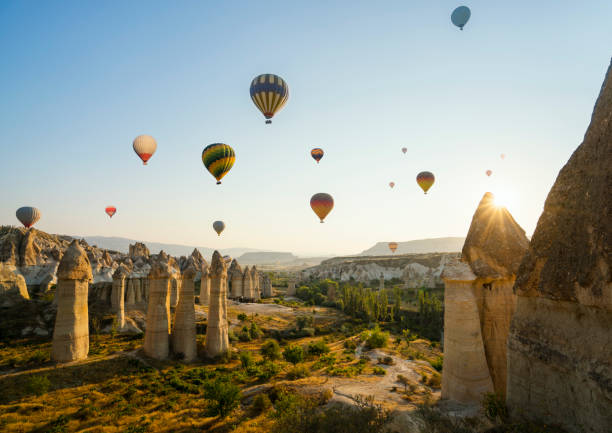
505	198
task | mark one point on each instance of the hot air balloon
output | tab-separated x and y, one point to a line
391	184
269	93
393	246
461	16
503	156
218	158
489	173
404	149
219	226
425	179
317	154
28	216
144	146
110	210
322	204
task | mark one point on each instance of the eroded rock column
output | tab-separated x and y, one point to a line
118	294
184	334
255	279
235	276
156	341
217	342
205	285
247	284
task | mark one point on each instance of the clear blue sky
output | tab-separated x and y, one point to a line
80	79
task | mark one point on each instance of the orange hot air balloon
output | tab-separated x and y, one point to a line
110	210
503	156
322	204
425	179
393	246
391	184
317	154
489	173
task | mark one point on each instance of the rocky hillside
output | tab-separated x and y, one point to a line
416	270
266	257
420	246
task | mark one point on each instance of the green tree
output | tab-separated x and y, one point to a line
293	354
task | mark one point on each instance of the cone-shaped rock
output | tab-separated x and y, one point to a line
71	333
247	284
235	275
560	344
255	279
205	285
118	294
217	342
184	334
156	341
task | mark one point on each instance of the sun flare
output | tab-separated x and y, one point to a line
505	198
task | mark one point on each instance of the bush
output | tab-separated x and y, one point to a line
437	363
245	334
350	345
268	370
435	380
377	339
298	372
379	371
387	360
495	408
38	385
254	331
304	322
317	348
242	317
293	354
271	350
223	395
261	403
246	359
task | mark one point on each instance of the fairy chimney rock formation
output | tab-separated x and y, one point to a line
204	285
156	341
266	286
71	333
118	294
217	342
235	275
560	343
184	334
138	250
291	287
255	280
479	304
247	284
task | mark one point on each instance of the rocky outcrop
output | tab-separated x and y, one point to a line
204	285
71	333
235	276
118	294
138	250
184	333
247	284
560	344
13	287
156	341
266	286
255	280
175	289
217	342
479	304
291	290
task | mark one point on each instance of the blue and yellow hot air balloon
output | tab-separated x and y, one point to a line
269	93
218	158
317	154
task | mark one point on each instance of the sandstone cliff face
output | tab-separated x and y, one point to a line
12	286
560	344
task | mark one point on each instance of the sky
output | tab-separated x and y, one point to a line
79	80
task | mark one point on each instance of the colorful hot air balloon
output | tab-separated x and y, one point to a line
461	16
269	92
218	158
393	246
322	204
503	156
317	154
28	216
144	146
391	184
489	173
219	226
425	179
404	149
110	210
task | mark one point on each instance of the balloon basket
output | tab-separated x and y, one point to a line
218	182
268	122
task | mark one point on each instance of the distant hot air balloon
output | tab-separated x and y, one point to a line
28	216
110	210
461	16
404	149
391	184
393	246
317	154
144	146
425	179
269	92
218	158
503	156
322	204
489	173
219	226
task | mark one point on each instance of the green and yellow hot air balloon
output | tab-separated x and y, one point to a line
218	158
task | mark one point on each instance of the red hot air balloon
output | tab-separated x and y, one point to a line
393	246
404	149
322	204
391	184
144	146
110	210
489	173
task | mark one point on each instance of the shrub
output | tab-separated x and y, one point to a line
317	348
377	339
494	407
387	360
38	385
223	395
254	331
298	372
246	359
404	381
232	336
304	322
435	380
293	354
268	370
271	350
245	334
437	363
242	317
350	345
379	371
261	403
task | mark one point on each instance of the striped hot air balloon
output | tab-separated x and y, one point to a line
317	154
269	93
144	146
218	158
425	179
110	210
393	246
219	226
322	204
28	216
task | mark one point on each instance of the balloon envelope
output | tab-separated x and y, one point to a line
391	184
489	172
219	226
425	179
404	149
218	158
317	154
28	215
393	246
503	156
110	210
461	16
144	146
269	93
322	204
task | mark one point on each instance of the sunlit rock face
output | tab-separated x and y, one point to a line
479	304
13	288
217	340
184	334
235	276
157	333
560	344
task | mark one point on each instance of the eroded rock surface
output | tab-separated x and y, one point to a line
217	341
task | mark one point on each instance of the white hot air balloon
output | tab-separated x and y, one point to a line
144	146
28	215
